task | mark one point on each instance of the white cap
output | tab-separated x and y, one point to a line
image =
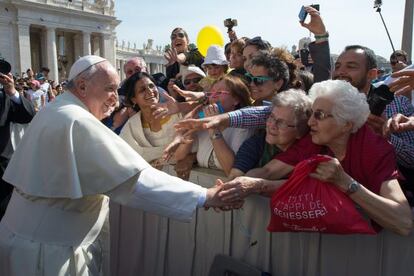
191	69
82	64
215	55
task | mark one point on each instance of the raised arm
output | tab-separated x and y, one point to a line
319	49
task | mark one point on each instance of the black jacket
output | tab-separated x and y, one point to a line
12	112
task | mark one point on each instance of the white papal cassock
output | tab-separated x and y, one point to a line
64	171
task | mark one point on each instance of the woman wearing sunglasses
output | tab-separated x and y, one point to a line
266	75
216	147
362	164
179	54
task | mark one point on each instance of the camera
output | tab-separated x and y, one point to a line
304	57
379	98
230	23
304	51
5	67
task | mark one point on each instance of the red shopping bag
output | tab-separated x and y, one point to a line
305	204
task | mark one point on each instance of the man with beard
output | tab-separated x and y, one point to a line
357	65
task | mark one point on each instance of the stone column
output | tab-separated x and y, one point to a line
108	47
96	46
25	61
77	47
86	43
121	66
407	39
52	53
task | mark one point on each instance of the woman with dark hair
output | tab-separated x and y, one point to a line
267	75
146	134
180	54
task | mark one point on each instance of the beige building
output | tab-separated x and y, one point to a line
153	57
54	33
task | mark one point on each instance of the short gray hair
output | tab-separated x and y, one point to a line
301	105
349	105
140	61
87	74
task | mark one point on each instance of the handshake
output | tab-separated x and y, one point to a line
231	195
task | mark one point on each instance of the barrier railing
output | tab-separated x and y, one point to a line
146	244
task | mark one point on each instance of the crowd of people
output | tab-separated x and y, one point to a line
37	87
252	111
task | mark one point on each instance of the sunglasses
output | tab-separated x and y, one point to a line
258	80
279	123
175	35
319	115
193	80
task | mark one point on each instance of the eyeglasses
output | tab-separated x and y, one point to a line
257	80
319	115
193	80
279	123
175	35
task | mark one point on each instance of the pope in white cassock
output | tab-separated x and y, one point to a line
65	170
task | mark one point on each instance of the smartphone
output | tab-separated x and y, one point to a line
303	13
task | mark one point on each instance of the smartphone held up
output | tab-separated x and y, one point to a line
303	13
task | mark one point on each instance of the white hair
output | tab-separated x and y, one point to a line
139	60
299	102
349	105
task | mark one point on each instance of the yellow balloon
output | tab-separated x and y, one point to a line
209	35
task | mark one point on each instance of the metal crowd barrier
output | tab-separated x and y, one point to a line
147	244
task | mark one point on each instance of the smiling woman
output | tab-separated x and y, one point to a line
180	54
143	132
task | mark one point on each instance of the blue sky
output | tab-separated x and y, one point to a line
348	22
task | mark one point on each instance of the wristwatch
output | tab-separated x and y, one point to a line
216	135
352	187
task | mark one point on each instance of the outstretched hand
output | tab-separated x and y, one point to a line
315	25
405	82
213	199
169	107
239	188
188	95
184	137
217	121
171	56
